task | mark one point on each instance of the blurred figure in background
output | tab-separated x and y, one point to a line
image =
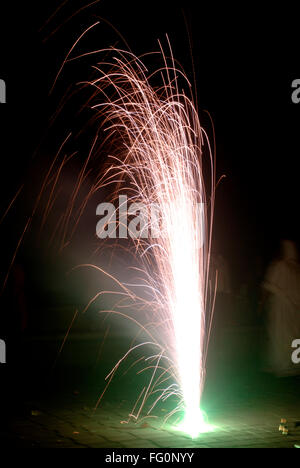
281	288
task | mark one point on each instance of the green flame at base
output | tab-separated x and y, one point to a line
194	423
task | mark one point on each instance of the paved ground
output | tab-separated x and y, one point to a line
47	410
249	418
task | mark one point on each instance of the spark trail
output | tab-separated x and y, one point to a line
158	162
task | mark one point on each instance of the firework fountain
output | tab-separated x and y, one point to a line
158	162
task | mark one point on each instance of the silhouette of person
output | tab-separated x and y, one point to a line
282	287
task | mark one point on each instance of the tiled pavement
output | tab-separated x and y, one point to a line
244	406
71	424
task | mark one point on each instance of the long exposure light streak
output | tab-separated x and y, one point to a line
158	161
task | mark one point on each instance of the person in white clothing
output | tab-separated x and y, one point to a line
282	286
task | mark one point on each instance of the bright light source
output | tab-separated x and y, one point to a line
194	423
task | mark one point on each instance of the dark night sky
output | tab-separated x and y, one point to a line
244	61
